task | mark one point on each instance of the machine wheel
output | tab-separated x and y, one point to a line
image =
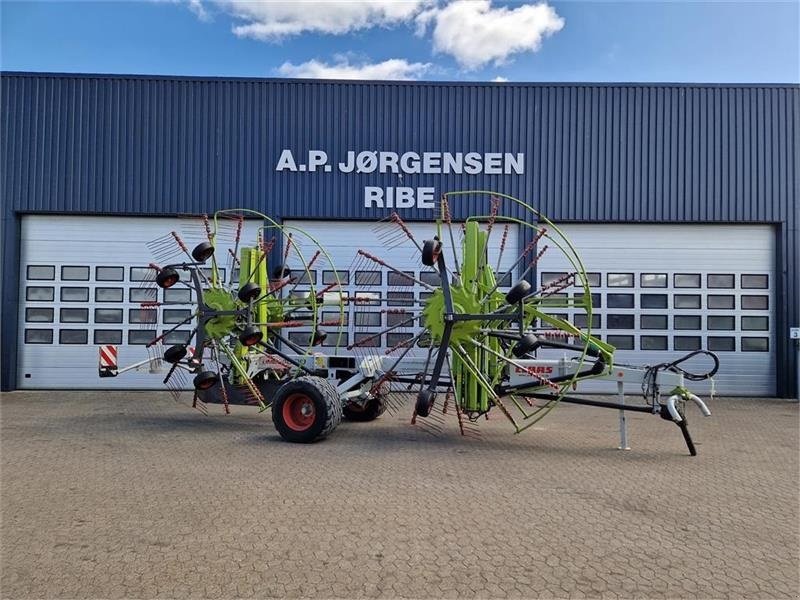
424	403
202	252
167	277
430	252
527	343
518	292
318	337
306	409
251	336
205	380
281	272
249	291
175	353
371	410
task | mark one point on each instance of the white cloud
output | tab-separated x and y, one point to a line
476	34
270	21
500	79
394	68
196	6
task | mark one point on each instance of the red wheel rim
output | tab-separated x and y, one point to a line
299	412
170	281
252	340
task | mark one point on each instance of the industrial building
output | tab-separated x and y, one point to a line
682	199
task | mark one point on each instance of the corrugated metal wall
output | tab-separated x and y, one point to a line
155	145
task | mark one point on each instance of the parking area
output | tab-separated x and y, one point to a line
132	495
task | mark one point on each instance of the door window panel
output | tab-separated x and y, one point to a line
721	322
726	281
686	280
37	293
367	340
653	280
108	315
430	278
107	336
760	282
687	322
74	294
653	321
139	315
653	342
393	339
74	273
580	320
108	294
755	323
141	337
329	277
368	319
725	343
755	344
755	302
172	316
653	300
39	315
619	321
74	315
143	294
396	279
686	342
73	336
41	272
721	301
619	300
368	278
619	279
109	273
142	274
179	336
176	296
38	336
596	300
686	301
621	342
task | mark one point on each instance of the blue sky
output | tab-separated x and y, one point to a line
418	39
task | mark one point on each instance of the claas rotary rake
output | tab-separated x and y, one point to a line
480	338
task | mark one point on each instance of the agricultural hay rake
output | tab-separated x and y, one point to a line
480	337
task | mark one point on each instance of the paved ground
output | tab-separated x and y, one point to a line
131	495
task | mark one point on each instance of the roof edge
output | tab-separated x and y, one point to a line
213	78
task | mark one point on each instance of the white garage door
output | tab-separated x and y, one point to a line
82	286
388	291
664	290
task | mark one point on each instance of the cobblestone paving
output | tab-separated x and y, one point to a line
130	495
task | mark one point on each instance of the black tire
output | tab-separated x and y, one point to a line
205	380
251	335
518	292
202	252
281	272
373	409
175	353
425	402
313	394
526	344
318	337
249	291
167	277
430	252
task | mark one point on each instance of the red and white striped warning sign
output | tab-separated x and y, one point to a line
108	356
190	354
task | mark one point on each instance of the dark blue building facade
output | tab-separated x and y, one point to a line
583	153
